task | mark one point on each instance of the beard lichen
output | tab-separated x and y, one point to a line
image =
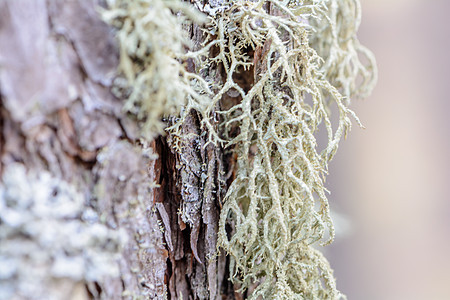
151	43
334	38
277	202
306	63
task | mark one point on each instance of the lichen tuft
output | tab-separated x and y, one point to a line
277	202
152	43
306	62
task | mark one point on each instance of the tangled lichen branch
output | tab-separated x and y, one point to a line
305	59
334	38
277	202
152	43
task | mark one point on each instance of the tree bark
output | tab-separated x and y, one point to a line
65	138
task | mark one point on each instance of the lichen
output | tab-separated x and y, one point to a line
49	238
277	203
306	63
334	38
152	41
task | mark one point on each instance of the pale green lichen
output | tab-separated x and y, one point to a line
306	62
151	41
348	65
277	203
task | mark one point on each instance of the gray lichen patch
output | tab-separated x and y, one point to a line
50	239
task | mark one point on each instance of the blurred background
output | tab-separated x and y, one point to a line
391	180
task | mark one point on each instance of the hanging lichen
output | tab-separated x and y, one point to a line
151	41
305	61
334	38
277	202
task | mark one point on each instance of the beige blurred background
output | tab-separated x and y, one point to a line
391	180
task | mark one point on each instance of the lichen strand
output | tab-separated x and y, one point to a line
334	38
277	202
152	40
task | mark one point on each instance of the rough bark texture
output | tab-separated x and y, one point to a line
59	117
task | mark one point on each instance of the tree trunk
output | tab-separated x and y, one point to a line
87	211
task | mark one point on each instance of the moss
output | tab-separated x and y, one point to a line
306	63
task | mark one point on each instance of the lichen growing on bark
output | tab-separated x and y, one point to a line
334	38
152	42
306	63
277	202
50	239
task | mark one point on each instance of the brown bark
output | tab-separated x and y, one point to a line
58	117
